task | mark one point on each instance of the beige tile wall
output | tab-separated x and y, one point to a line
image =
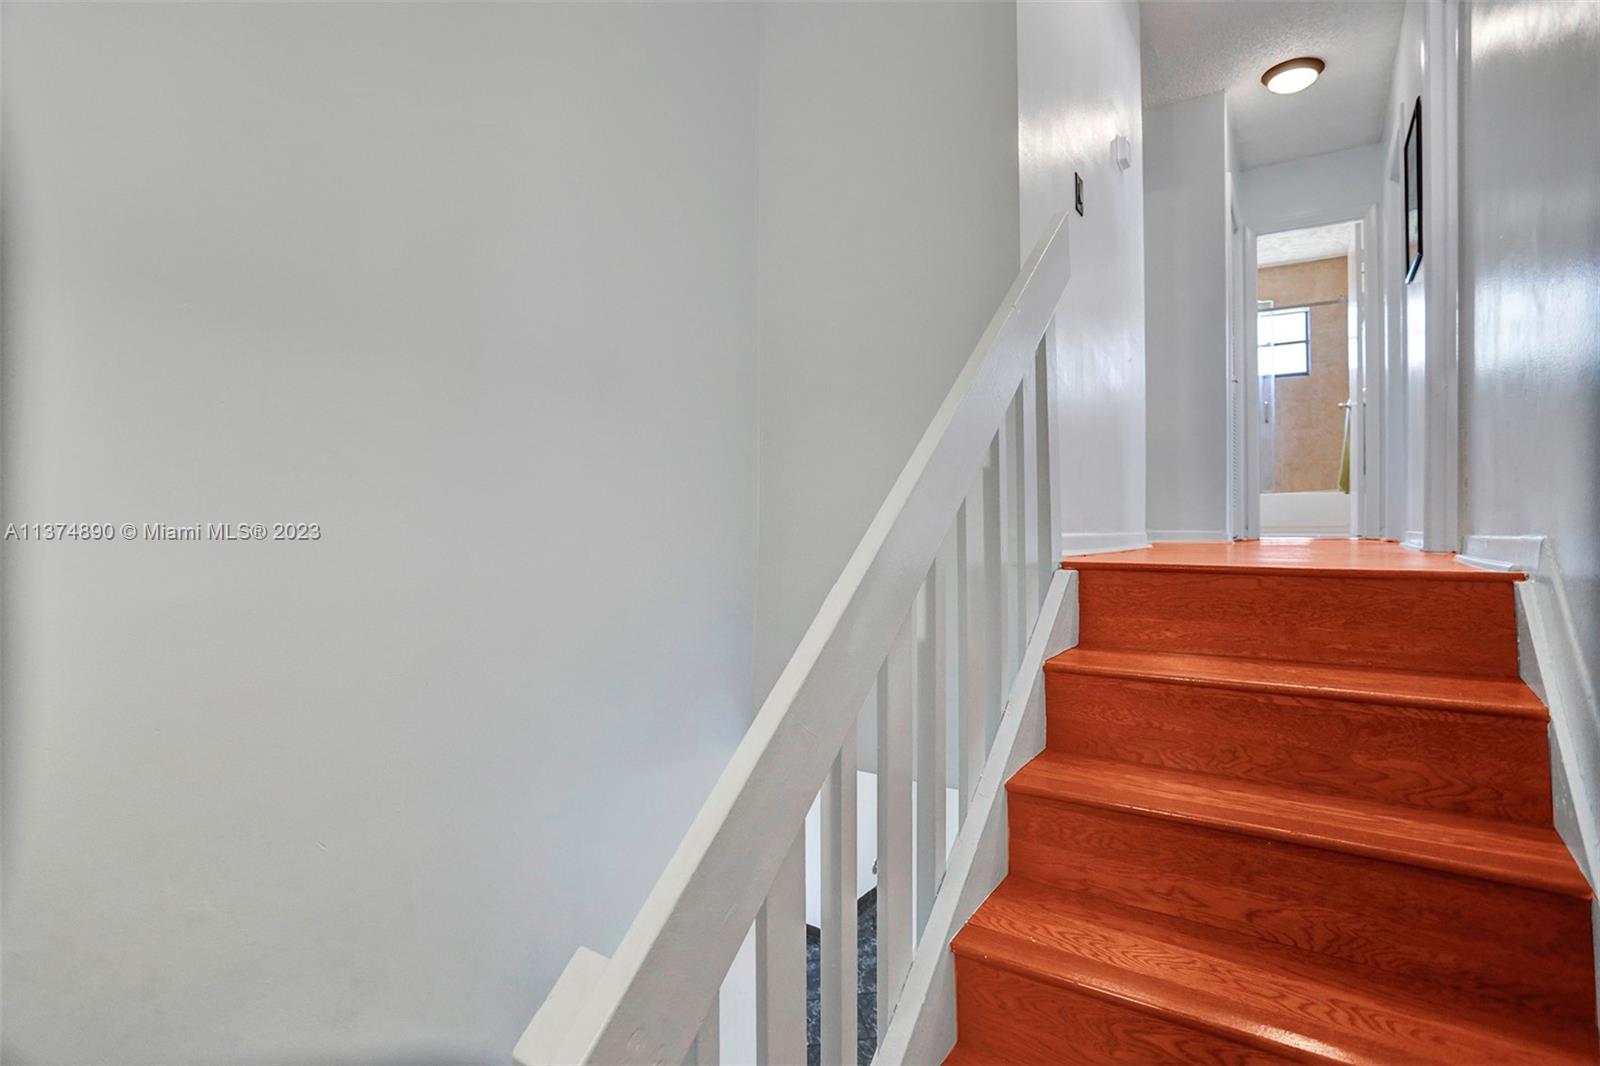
1309	434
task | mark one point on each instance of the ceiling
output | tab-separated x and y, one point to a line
1305	245
1194	48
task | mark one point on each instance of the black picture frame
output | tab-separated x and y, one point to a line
1412	218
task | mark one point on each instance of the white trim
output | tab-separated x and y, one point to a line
1367	428
1441	265
543	1034
1311	218
1250	409
1190	534
1368	512
1520	552
1055	441
1552	664
1412	539
923	1028
1389	289
1312	532
1090	543
1234	368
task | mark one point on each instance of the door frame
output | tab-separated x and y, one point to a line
1241	355
1368	504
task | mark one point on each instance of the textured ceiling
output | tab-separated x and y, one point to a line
1197	47
1305	245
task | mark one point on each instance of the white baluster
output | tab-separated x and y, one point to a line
976	640
1008	603
839	907
1028	478
1049	498
933	723
707	1047
781	964
896	682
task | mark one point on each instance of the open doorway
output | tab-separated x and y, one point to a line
1308	359
1304	411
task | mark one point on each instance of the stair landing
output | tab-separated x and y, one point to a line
1305	554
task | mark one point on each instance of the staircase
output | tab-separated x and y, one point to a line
1294	805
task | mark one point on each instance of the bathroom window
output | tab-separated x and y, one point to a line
1283	342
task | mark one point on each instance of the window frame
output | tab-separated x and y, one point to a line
1267	307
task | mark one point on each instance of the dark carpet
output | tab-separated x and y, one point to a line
866	984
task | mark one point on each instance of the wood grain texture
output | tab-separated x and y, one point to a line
1302	555
1004	1016
1030	929
1502	852
1488	765
1396	622
1507	697
1518	949
1294	806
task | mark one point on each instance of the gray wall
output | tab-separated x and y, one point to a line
498	296
1530	398
888	235
473	286
1186	255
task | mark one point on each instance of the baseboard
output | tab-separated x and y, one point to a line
1089	543
1306	531
1503	553
1188	534
1412	538
1552	663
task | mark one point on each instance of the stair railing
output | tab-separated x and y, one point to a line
930	617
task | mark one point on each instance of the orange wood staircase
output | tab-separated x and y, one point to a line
1294	806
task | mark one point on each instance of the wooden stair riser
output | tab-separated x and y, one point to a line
1508	949
1015	1018
1395	622
1490	766
1274	999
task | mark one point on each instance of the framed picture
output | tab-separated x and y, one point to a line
1413	212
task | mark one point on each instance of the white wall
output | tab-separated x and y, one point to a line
1078	87
1286	195
1405	304
888	235
1186	256
1530	368
371	266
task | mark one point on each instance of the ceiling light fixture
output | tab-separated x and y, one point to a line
1292	75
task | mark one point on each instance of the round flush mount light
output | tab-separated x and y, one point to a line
1292	75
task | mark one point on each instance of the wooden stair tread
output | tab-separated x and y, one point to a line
1328	558
1505	852
1148	964
1481	695
1294	805
965	1056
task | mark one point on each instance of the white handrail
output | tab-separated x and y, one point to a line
651	997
